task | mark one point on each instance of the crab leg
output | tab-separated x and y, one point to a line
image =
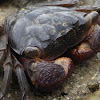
68	3
73	3
3	47
7	75
88	9
19	71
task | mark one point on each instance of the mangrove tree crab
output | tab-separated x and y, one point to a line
37	35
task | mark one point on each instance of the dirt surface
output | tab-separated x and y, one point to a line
77	87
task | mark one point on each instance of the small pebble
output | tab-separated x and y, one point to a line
93	86
49	98
16	92
67	98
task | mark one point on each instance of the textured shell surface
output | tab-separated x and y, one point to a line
44	27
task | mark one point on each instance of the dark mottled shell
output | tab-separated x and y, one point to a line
52	29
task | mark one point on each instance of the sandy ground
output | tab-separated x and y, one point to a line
78	85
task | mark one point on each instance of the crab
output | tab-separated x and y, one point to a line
34	37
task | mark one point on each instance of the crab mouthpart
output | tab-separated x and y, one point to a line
33	52
46	76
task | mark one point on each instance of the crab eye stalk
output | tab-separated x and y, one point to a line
33	52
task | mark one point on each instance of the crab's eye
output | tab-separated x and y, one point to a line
33	52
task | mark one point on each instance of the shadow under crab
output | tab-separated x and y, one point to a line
45	75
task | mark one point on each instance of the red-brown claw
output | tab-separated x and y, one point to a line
82	52
47	76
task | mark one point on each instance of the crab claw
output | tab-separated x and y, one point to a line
49	75
46	76
81	52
